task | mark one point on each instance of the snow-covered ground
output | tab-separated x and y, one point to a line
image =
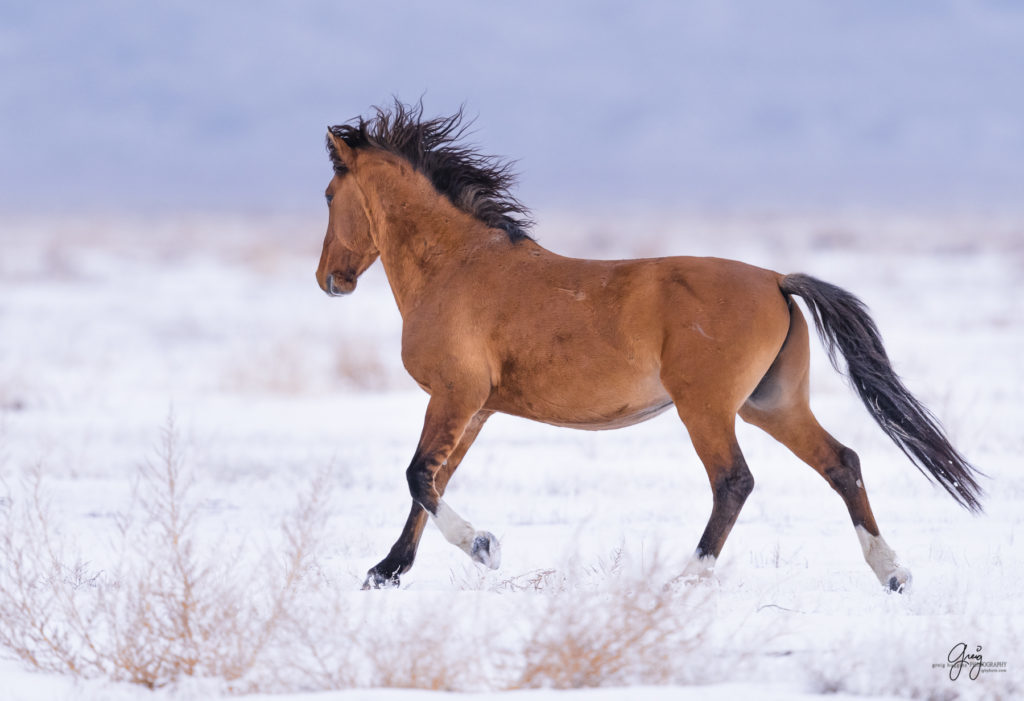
107	327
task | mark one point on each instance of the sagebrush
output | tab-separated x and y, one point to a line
177	605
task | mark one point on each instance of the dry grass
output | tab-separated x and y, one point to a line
170	609
602	626
176	606
362	368
287	367
631	629
612	623
278	369
629	635
427	648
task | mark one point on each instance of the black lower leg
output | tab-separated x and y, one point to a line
731	488
402	554
844	476
422	487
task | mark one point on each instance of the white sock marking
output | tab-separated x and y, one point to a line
881	558
455	529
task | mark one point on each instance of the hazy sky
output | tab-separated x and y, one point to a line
223	105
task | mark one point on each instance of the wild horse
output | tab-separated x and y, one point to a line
494	322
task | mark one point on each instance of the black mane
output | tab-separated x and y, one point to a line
475	183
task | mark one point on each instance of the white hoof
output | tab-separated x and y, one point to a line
703	566
893	576
898	580
486	550
698	569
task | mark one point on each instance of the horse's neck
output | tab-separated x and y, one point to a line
422	239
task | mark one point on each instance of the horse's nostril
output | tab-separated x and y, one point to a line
331	285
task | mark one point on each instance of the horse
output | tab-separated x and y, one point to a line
493	322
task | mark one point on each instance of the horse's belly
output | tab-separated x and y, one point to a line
591	408
603	422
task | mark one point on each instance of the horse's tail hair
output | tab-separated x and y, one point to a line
845	327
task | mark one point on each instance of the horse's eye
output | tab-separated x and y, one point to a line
329	198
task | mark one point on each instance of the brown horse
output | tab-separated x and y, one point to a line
494	322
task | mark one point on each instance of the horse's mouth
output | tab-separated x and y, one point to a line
339	285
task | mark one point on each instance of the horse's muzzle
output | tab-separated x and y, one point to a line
339	285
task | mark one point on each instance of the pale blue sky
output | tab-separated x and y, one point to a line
121	105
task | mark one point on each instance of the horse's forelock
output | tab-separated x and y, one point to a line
354	134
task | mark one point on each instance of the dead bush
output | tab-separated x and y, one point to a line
171	607
633	629
174	606
362	369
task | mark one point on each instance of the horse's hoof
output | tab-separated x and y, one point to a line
898	580
700	568
376	580
486	550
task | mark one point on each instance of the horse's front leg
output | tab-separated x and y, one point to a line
445	424
449	428
403	553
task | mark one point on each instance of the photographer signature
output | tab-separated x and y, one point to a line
959	658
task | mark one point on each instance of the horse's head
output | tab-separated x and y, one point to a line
348	245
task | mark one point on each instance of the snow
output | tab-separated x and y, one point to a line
109	325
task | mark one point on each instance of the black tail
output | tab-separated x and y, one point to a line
844	324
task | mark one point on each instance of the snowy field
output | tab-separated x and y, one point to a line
112	330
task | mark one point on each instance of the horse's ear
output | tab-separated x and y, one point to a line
342	155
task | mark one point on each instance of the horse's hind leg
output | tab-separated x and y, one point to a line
799	431
780	407
402	554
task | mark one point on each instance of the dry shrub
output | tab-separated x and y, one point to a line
170	608
34	585
286	367
607	639
611	623
633	629
533	581
395	639
281	368
362	368
176	607
586	627
429	648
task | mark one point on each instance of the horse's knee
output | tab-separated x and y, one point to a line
844	475
735	485
421	484
849	459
